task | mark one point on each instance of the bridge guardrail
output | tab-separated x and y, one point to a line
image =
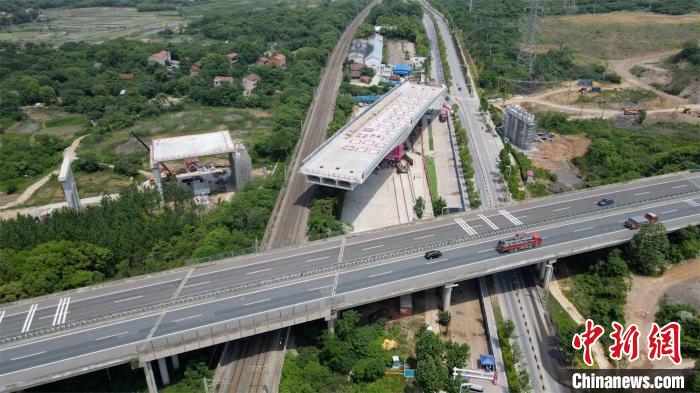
219	292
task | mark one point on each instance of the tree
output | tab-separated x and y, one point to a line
438	205
430	374
428	344
368	369
419	207
649	248
348	323
444	318
87	163
456	354
642	116
525	382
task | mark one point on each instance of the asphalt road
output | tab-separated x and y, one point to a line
481	254
483	147
183	282
289	224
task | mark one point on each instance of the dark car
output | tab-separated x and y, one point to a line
459	89
433	254
605	202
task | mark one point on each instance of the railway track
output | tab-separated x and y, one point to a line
288	223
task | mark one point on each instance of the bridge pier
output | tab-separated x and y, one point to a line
176	362
447	296
546	270
163	368
150	378
331	319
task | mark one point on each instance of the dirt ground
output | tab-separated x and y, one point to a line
680	283
467	324
397	51
617	35
556	156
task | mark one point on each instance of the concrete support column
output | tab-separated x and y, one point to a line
548	270
163	368
150	378
331	321
540	267
447	296
176	362
424	122
155	169
70	190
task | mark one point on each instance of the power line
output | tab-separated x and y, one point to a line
528	53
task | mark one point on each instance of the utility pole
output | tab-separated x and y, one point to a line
470	6
527	54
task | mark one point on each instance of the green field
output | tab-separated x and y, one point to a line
93	25
252	126
617	35
432	177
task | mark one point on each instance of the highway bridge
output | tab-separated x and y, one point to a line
154	317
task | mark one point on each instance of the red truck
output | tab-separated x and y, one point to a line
638	221
443	114
521	241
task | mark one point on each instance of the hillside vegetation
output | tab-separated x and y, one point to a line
616	155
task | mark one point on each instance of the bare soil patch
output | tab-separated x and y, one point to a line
556	156
678	283
618	35
467	324
399	50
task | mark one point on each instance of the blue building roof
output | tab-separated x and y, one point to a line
402	69
486	360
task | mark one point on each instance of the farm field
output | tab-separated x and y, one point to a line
93	25
617	35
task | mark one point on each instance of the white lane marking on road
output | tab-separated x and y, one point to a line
381	274
560	209
318	259
486	250
64	314
110	336
477	225
369	248
259	271
681	186
641	193
2	315
319	288
127	299
691	202
583	229
463	224
510	217
30	317
58	311
522	217
26	356
195	284
436	261
256	302
486	220
422	237
669	211
186	318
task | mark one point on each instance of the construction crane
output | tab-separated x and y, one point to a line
170	173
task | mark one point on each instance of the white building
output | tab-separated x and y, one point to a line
374	58
520	126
